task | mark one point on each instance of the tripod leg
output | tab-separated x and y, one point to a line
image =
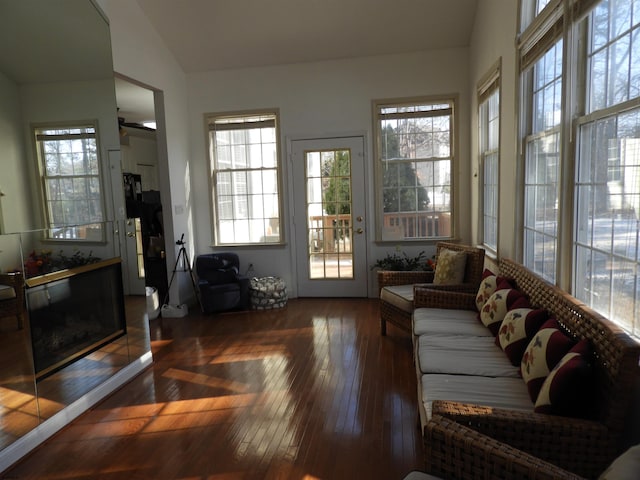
175	267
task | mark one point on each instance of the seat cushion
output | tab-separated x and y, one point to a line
625	467
498	392
401	296
7	292
460	355
447	321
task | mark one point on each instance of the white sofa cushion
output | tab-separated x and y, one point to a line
461	355
499	392
400	296
452	322
625	467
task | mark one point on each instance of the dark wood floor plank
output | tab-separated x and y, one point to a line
310	391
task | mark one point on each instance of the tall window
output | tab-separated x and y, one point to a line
598	149
489	146
607	254
542	71
70	174
414	163
245	178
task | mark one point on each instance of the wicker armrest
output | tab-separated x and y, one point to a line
581	446
388	278
455	451
443	298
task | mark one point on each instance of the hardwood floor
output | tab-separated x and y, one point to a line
310	391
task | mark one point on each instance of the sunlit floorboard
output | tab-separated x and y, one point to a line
310	391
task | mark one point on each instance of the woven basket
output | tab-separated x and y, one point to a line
266	293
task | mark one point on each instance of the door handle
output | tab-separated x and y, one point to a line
131	234
360	231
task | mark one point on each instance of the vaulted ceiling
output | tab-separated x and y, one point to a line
207	35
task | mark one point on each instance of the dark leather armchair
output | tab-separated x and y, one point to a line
220	284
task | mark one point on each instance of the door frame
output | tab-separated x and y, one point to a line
302	243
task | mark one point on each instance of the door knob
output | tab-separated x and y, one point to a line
131	234
359	230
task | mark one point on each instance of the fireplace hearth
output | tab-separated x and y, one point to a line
73	313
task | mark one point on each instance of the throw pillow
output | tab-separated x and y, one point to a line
450	267
565	391
517	329
544	351
489	284
497	306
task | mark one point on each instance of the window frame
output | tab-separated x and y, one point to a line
377	106
209	120
591	154
489	86
96	227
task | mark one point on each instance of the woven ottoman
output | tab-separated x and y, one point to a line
267	292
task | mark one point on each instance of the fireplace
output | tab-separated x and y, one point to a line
73	313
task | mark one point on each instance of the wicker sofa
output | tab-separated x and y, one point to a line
450	381
396	287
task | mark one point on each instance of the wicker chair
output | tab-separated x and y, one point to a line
399	313
13	307
457	452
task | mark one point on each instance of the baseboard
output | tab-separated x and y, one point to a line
25	444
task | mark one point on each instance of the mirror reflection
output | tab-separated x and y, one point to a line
59	191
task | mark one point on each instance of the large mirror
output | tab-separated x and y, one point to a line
56	69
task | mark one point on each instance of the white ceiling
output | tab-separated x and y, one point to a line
206	35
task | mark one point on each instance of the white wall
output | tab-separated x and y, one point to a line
493	37
140	54
323	99
15	205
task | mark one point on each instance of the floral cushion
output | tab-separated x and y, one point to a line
489	284
497	306
565	391
544	351
517	329
450	267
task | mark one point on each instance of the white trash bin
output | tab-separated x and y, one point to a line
153	302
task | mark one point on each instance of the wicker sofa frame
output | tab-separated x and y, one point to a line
389	313
13	307
457	452
585	447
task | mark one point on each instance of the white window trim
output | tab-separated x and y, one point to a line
208	119
378	175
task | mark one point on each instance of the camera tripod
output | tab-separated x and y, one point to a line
182	255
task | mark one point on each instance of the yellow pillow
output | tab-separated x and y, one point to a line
450	267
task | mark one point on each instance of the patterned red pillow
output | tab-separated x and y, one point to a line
517	329
489	284
497	306
566	390
544	351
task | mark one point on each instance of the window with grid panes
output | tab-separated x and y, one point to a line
414	152
245	178
489	151
70	177
607	212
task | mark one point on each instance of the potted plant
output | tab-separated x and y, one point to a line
398	268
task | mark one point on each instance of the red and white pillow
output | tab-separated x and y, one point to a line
517	329
489	284
565	391
497	306
544	351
